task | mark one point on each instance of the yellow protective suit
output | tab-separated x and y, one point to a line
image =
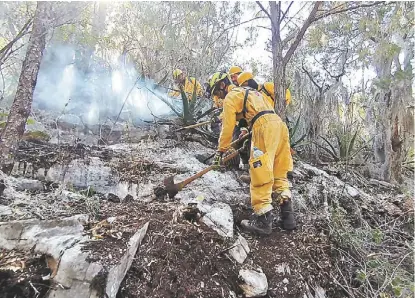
267	90
218	102
270	135
188	88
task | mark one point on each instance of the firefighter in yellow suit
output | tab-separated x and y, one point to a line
234	72
270	152
187	83
246	79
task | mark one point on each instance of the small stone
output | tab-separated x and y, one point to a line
128	199
353	192
111	219
285	289
113	198
255	283
285	281
202	284
5	210
240	250
23	184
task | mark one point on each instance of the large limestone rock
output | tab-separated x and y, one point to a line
63	240
92	172
219	217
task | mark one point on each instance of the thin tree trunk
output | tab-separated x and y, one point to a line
22	104
277	59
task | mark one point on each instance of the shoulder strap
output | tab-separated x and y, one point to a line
266	92
244	109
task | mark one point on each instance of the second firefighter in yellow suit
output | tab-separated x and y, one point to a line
188	84
270	152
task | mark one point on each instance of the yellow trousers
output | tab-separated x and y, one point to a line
269	171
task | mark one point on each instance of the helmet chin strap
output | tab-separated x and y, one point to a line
224	90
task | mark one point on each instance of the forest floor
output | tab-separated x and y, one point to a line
354	235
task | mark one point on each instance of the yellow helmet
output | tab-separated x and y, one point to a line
234	70
216	78
245	76
176	73
287	96
269	86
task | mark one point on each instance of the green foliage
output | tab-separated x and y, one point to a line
345	147
36	135
186	110
361	276
374	271
30	121
89	192
377	236
294	130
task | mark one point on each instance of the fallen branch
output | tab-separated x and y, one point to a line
193	126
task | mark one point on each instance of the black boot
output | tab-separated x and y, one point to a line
259	224
287	215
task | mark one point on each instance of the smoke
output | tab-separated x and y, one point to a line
73	81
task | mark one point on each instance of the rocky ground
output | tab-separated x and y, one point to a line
79	218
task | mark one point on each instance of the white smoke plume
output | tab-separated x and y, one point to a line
94	90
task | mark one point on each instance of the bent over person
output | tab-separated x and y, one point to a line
188	84
270	157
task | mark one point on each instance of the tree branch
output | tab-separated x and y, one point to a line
311	78
300	34
22	32
286	11
264	10
267	13
263	27
231	27
288	38
334	11
293	17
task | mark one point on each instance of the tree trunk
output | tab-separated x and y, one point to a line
386	154
277	59
22	103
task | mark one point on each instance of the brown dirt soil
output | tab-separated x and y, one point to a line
179	259
25	281
182	259
305	253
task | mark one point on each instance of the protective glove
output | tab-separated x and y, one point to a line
217	160
245	146
233	162
244	131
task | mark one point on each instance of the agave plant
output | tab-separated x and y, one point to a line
295	140
190	108
409	161
345	148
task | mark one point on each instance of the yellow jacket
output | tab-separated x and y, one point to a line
188	88
232	112
267	90
217	101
